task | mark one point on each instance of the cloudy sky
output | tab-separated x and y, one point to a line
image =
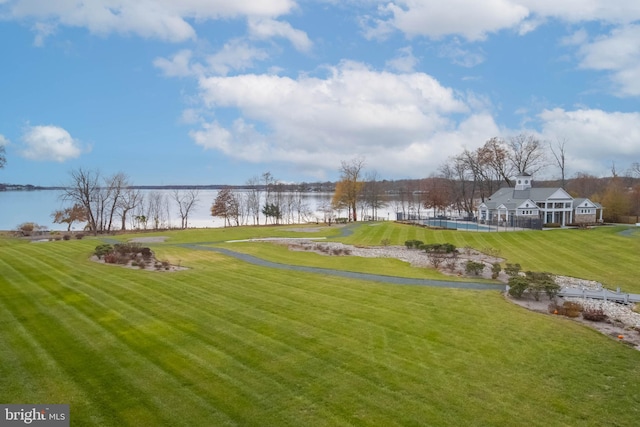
218	91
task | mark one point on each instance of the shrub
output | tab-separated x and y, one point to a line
594	314
496	268
517	286
572	309
435	258
111	258
67	237
473	267
512	269
540	282
552	225
146	253
127	248
79	236
27	228
451	261
410	244
102	250
443	248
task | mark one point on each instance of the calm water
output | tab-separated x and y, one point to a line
17	207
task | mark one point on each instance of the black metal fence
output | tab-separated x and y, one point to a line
511	224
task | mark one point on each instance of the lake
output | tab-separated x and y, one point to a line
17	207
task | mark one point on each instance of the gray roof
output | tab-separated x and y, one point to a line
512	198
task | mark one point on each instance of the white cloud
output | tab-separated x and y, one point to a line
469	18
610	11
179	65
619	54
577	38
461	56
236	55
3	141
404	62
49	143
594	138
474	20
162	19
403	124
266	28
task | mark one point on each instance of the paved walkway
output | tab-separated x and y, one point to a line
347	274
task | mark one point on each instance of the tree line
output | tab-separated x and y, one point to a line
107	203
470	177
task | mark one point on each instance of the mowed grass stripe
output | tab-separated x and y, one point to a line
135	337
416	402
116	267
68	337
419	355
244	310
226	327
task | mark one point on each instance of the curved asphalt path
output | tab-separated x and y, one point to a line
347	274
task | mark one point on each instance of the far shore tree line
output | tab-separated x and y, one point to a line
109	203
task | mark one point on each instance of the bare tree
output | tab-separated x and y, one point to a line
527	154
350	175
157	210
372	194
130	200
586	185
253	199
635	169
560	154
112	192
437	195
3	157
84	190
186	201
462	180
492	164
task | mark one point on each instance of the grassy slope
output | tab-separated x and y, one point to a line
228	343
601	254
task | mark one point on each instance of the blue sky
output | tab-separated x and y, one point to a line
218	92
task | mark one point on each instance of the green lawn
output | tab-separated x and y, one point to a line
227	343
602	254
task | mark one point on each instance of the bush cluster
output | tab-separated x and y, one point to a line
413	244
512	269
443	248
594	314
124	253
473	267
534	283
568	308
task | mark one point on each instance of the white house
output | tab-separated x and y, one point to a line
550	205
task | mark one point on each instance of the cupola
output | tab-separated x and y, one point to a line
523	181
